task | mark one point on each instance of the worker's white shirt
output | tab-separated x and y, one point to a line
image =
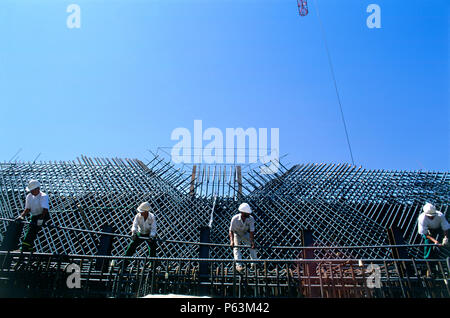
425	223
240	227
144	226
37	203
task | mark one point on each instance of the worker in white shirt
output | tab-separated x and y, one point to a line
36	204
431	224
242	230
143	229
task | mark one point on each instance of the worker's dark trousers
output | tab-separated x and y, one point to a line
137	241
33	230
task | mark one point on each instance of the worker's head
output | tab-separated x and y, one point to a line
430	210
245	210
34	187
144	208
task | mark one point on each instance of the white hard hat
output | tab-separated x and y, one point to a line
144	207
33	184
245	208
429	209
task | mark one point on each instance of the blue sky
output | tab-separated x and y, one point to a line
136	70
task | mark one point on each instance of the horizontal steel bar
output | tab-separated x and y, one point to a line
300	260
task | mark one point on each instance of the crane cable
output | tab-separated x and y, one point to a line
334	80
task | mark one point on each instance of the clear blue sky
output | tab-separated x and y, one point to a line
136	70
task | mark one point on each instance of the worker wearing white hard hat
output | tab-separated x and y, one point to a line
143	229
432	224
36	204
242	230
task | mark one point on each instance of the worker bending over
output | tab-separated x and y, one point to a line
36	203
143	229
242	230
431	224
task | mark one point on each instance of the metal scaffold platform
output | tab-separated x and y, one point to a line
46	275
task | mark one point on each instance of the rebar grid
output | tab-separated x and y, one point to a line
342	204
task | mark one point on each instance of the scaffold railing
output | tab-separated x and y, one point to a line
109	276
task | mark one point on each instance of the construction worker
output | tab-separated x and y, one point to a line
36	203
242	230
432	223
143	229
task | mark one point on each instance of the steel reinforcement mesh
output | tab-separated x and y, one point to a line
342	204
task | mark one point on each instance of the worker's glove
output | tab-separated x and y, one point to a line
19	218
445	241
41	220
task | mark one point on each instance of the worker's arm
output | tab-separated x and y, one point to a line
444	225
41	217
45	207
432	239
252	232
25	213
27	207
445	240
44	214
252	241
423	230
231	235
134	227
153	230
